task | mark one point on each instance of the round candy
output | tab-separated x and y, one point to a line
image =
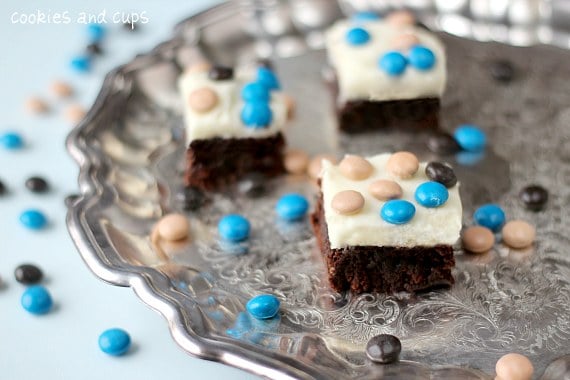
173	227
478	239
255	91
114	341
2	188
403	164
518	234
355	167
264	306
490	216
502	71
94	49
36	300
81	63
96	32
28	274
221	73
384	349
443	143
256	115
347	202
296	161
316	164
401	18
421	58
514	367
439	172
33	219
397	211
404	41
266	77
74	113
357	36
292	207
365	16
202	100
11	140
470	138
234	227
37	184
534	197
431	194
385	189
393	63
61	89
36	105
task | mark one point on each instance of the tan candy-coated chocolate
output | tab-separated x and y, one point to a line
401	18
296	161
404	41
315	166
403	164
518	234
347	202
478	239
355	167
199	67
74	114
203	99
514	367
385	189
61	89
173	227
36	105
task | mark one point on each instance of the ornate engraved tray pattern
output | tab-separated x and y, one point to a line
130	149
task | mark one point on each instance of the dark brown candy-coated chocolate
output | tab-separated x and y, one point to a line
221	73
442	173
534	197
443	143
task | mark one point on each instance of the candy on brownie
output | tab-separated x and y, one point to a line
234	123
386	224
388	72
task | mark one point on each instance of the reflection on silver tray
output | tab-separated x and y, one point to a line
130	148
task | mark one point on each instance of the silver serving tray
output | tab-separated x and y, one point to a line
130	150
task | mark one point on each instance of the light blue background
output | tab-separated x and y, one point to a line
63	344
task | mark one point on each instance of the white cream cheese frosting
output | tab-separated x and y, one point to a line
224	119
359	75
428	227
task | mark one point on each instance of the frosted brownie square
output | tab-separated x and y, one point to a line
387	73
383	226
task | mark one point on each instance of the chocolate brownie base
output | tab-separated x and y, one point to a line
362	115
382	269
212	164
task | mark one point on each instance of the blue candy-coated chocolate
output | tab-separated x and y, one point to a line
292	207
234	227
255	92
256	115
397	211
491	216
33	219
421	58
81	63
268	78
115	341
365	16
263	306
470	137
11	140
36	300
393	63
431	194
96	32
357	36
